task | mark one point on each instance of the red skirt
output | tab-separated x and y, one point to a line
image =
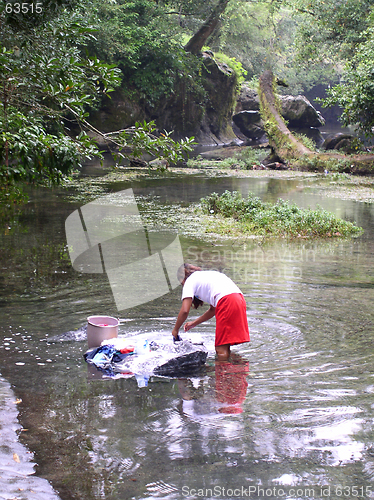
231	320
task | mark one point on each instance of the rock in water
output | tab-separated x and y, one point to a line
183	364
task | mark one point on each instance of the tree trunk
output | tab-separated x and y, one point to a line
288	148
284	144
198	40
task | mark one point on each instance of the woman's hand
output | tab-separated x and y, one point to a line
175	333
188	325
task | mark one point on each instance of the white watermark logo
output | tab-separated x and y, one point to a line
108	236
276	492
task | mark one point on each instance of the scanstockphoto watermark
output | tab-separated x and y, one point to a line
258	272
247	265
108	236
251	255
307	492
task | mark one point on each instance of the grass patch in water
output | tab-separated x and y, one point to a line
251	216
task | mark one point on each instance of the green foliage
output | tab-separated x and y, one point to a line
144	42
48	83
282	219
332	161
327	35
145	38
231	204
307	141
43	81
332	29
136	141
227	163
235	65
243	159
34	155
252	156
245	34
356	92
261	36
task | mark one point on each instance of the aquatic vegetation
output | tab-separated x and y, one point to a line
345	186
282	219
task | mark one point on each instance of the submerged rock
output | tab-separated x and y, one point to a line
183	364
70	336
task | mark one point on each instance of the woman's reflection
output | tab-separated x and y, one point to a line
231	383
227	387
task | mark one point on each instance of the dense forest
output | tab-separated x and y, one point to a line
60	60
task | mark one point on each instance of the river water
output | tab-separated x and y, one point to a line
291	415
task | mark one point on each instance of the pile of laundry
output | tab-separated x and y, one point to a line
142	357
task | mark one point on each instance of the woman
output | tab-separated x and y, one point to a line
226	303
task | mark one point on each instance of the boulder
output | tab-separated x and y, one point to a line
312	133
299	112
248	100
138	163
249	123
340	142
247	118
209	122
159	163
207	117
116	113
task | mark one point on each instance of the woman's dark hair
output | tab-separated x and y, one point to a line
185	271
197	302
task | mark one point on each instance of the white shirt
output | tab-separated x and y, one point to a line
208	286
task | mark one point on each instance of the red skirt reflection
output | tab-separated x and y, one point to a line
231	385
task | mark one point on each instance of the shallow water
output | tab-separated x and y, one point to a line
290	416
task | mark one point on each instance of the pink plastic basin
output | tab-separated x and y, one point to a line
101	328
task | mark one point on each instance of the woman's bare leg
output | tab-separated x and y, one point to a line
223	352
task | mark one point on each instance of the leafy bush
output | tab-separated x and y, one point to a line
141	139
282	219
252	156
307	141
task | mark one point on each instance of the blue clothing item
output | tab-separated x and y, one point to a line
104	356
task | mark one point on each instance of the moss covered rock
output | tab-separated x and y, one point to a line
203	110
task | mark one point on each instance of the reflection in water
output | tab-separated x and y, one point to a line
16	465
229	382
294	407
231	386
